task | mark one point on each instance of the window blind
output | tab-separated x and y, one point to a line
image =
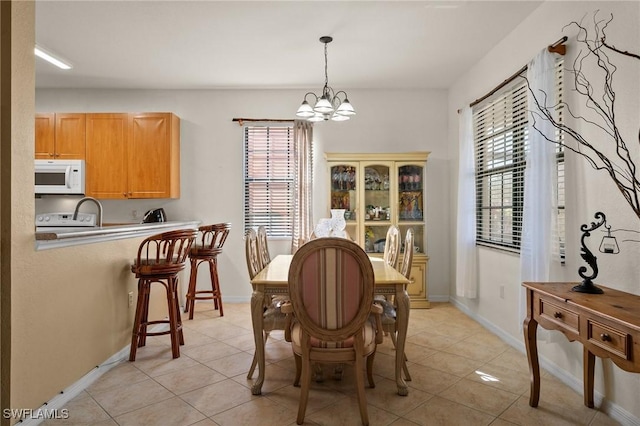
501	143
500	134
269	179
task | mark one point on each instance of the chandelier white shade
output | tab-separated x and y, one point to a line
329	105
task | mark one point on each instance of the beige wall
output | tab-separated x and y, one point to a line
587	191
69	307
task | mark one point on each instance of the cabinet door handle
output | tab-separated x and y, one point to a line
51	154
557	315
124	194
605	337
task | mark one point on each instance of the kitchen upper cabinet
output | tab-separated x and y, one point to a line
106	165
154	155
60	136
133	155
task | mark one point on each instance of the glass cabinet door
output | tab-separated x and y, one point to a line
410	185
344	186
378	214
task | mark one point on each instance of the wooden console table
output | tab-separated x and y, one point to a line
607	325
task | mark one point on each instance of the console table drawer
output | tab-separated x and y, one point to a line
609	339
555	312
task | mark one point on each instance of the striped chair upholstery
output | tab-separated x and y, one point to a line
331	289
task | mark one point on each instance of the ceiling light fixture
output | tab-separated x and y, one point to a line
41	53
329	105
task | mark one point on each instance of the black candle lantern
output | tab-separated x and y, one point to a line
608	245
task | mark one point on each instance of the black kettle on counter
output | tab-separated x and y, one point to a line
154	215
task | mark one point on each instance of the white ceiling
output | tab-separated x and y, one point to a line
268	44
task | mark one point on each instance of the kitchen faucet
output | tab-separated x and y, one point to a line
97	203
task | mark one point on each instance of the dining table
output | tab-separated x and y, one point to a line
273	280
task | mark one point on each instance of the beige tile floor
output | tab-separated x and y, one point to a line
462	375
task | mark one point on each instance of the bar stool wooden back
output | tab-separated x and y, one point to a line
207	248
160	258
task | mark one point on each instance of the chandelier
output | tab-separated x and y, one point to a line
329	105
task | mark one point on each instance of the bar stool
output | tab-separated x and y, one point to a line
160	258
212	238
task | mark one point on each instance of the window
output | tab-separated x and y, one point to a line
500	134
501	142
269	178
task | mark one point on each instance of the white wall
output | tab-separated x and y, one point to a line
211	158
588	191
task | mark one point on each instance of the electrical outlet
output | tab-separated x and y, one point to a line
130	298
501	292
134	214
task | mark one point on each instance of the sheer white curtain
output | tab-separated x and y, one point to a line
303	190
466	252
540	177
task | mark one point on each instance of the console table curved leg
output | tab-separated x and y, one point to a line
530	327
402	312
257	303
589	360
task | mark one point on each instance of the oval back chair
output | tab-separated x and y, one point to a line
392	246
331	285
263	248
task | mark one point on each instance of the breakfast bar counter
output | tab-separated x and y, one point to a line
57	237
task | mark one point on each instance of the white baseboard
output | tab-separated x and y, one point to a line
612	410
55	404
58	402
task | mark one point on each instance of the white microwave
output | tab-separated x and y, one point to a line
59	176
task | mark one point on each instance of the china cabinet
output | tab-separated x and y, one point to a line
377	191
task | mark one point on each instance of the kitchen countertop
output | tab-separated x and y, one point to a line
57	237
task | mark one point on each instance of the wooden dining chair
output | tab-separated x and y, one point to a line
263	248
389	323
272	317
392	246
331	285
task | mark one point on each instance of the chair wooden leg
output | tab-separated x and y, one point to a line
370	360
178	315
135	333
296	380
191	292
173	317
215	285
304	391
142	331
359	367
